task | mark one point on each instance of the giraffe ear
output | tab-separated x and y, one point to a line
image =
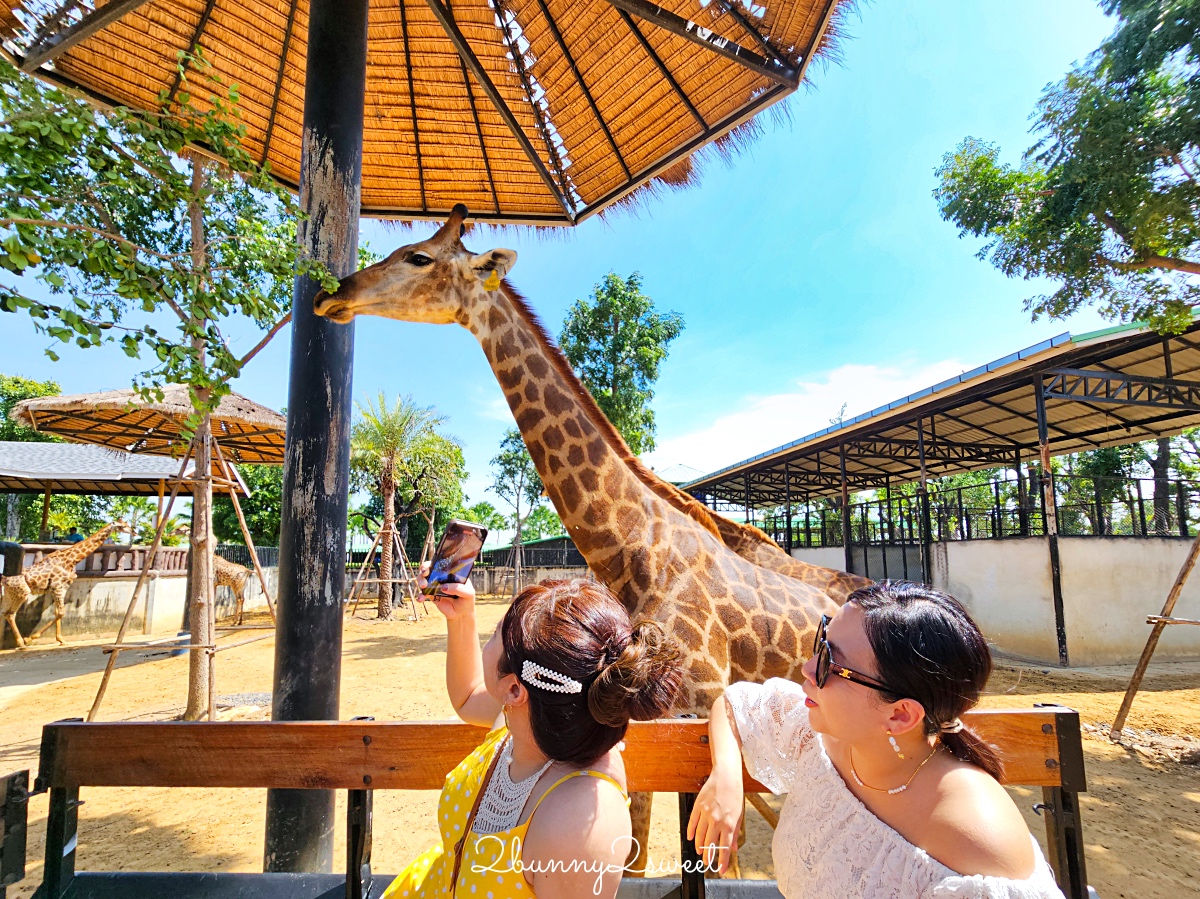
494	264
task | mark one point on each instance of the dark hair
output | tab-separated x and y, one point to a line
579	629
927	648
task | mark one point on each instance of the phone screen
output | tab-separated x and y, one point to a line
455	556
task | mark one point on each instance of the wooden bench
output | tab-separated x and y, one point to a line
1040	746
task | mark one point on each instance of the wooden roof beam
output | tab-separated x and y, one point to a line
467	55
731	8
785	74
412	104
283	55
562	45
183	66
664	71
50	48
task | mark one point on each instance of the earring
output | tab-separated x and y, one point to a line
895	745
505	709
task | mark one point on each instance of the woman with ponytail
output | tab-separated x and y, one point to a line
540	807
890	795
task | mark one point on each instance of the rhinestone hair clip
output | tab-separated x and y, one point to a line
536	675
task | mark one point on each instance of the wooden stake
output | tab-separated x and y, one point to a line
1139	672
137	589
363	572
237	507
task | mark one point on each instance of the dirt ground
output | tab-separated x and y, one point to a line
1141	814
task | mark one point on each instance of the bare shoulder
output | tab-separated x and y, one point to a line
581	836
975	828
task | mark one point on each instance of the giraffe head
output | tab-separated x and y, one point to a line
436	281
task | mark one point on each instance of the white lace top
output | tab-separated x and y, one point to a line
828	843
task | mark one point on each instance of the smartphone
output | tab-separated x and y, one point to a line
456	553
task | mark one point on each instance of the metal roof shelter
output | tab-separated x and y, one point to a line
1102	388
81	469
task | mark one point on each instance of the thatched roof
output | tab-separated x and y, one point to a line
121	419
602	95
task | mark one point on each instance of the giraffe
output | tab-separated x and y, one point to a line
54	575
235	577
662	553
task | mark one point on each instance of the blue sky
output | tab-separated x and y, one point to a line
814	271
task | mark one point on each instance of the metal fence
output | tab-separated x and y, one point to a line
1085	507
268	556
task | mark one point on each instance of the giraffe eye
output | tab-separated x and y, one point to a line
420	259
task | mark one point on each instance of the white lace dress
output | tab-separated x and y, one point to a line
828	843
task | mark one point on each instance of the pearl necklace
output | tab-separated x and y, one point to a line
894	790
503	800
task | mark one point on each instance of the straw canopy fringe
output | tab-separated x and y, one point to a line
123	420
540	112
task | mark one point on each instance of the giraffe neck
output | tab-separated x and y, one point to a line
603	503
84	548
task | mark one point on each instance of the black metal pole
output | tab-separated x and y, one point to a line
848	552
1050	516
747	486
312	539
787	492
923	506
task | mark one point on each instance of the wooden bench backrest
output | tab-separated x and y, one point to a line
668	756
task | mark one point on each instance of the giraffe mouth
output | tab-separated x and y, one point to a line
332	308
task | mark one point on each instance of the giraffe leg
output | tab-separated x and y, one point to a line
639	812
58	592
241	602
11	618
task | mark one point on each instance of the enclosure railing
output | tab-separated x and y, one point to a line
113	559
268	556
1085	507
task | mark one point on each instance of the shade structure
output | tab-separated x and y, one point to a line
542	112
88	470
123	420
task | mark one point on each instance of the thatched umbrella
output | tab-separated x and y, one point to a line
530	111
123	419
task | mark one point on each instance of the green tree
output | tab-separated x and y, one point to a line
543	522
1106	202
384	438
616	342
484	513
13	508
516	481
123	224
262	508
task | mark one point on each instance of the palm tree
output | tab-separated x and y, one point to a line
383	437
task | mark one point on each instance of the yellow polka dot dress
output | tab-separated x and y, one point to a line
490	867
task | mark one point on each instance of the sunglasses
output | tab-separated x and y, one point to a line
827	666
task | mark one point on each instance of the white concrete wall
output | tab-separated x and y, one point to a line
1109	587
825	556
95	606
1006	586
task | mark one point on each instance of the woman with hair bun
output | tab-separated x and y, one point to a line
889	794
540	807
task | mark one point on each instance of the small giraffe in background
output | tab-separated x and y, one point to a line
235	577
54	575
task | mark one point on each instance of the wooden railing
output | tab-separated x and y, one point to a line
114	559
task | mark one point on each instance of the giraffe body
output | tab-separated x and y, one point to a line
235	577
740	607
53	575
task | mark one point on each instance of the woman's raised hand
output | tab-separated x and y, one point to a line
715	818
452	600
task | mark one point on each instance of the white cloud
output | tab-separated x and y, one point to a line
761	423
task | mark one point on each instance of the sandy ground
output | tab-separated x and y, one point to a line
1141	815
